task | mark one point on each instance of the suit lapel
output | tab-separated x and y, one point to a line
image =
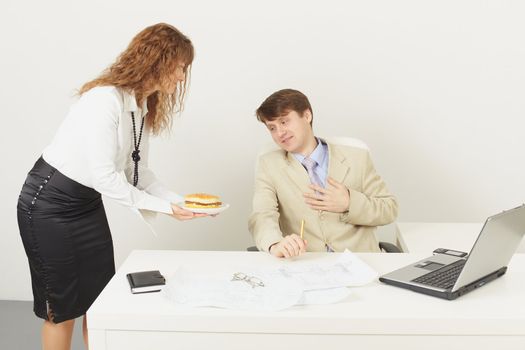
337	165
337	168
296	172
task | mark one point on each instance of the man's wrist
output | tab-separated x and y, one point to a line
271	246
349	199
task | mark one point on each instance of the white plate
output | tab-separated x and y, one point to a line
223	207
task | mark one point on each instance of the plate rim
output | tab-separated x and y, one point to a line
222	208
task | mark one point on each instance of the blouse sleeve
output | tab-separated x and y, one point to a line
104	110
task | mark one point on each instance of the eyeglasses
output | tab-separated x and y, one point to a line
251	280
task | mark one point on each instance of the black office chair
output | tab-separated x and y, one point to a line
388	247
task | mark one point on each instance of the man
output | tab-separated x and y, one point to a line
333	188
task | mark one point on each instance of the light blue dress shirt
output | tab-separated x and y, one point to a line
320	155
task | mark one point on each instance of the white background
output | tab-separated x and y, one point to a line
436	89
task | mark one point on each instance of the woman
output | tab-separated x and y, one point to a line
98	150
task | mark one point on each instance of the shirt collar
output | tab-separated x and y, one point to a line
318	154
130	103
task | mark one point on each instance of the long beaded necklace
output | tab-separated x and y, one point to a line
135	154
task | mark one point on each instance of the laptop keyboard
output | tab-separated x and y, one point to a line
444	277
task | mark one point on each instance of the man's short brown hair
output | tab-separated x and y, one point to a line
281	103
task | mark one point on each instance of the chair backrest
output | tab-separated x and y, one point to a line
347	141
337	140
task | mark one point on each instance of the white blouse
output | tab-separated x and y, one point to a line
93	147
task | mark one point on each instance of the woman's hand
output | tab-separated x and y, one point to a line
183	214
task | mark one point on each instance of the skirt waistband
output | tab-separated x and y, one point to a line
44	172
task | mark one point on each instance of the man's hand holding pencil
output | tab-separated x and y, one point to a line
290	246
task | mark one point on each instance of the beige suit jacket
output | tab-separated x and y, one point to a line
279	207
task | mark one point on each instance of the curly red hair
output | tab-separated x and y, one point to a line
150	58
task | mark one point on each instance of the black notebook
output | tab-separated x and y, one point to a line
145	281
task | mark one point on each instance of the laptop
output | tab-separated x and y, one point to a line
449	274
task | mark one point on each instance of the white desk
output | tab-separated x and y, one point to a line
375	316
423	237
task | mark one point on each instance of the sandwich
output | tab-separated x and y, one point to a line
201	200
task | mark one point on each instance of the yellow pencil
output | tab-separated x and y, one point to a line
302	228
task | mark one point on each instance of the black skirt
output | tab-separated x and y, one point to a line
67	240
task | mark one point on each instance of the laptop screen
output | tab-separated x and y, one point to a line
495	245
